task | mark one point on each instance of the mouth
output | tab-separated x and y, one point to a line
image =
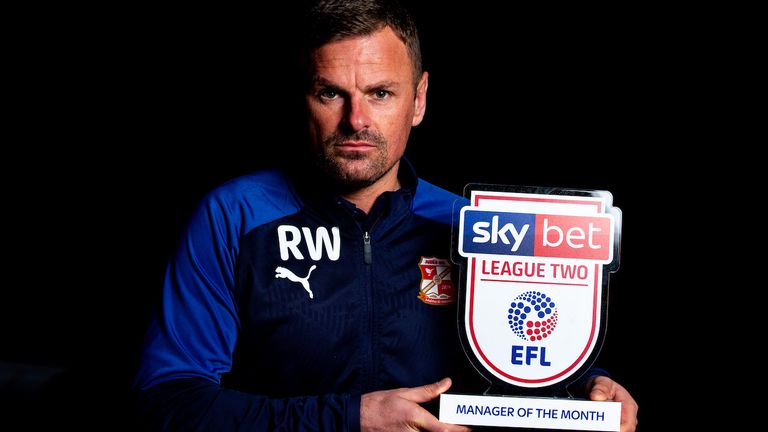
355	146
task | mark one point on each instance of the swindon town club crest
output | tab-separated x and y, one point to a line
534	283
437	286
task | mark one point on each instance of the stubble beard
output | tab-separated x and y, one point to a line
355	169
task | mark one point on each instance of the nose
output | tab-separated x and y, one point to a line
358	115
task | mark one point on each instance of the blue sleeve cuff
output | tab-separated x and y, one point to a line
353	413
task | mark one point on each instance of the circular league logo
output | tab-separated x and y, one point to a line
532	316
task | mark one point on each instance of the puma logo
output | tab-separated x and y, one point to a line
282	272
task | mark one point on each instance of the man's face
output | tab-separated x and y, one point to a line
362	105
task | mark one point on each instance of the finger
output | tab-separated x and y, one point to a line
628	410
437	426
427	422
427	392
628	417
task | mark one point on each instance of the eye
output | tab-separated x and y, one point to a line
381	94
328	94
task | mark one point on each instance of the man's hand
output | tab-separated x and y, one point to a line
399	410
602	388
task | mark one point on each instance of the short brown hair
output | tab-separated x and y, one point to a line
333	20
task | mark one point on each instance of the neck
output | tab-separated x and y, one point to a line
364	198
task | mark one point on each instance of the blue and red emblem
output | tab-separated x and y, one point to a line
532	316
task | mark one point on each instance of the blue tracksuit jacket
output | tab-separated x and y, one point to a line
284	303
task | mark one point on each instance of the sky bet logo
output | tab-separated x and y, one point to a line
539	235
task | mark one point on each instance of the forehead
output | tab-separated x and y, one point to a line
382	51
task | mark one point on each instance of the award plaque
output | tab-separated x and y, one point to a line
535	264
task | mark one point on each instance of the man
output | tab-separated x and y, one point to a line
295	305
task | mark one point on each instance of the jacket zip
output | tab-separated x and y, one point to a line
367	261
367	248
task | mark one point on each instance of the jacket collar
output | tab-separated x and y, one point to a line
316	190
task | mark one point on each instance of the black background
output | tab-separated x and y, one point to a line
125	121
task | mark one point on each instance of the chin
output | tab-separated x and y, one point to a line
358	177
354	172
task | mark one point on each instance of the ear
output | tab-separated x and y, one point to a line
420	102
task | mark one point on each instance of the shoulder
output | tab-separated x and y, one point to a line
436	203
252	199
270	184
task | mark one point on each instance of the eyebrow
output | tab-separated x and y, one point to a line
318	81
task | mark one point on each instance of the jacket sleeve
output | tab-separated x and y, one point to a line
193	404
192	336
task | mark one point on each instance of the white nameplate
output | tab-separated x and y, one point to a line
530	412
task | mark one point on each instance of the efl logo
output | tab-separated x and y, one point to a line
539	235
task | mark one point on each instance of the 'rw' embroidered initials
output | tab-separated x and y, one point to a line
290	238
282	272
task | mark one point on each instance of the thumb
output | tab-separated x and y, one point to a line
598	393
428	392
